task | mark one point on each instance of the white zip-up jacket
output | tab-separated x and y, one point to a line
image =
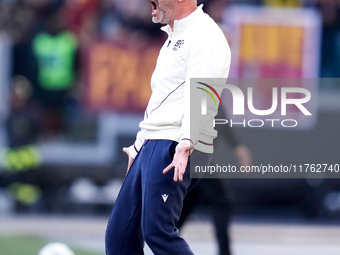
196	48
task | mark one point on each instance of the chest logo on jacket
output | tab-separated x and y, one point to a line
178	45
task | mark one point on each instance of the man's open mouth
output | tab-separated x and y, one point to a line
154	7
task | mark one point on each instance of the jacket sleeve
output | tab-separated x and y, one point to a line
135	148
208	58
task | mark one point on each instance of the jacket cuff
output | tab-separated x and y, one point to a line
133	151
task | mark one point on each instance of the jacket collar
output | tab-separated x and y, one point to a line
180	25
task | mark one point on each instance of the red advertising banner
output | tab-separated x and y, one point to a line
118	77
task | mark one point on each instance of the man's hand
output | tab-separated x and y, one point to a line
179	162
130	160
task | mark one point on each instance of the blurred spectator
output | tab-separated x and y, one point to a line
23	122
56	52
22	127
216	193
128	22
81	18
216	8
5	14
20	28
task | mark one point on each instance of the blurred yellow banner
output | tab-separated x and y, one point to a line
283	3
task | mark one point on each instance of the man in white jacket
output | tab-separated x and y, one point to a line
150	201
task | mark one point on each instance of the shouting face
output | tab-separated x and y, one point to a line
162	11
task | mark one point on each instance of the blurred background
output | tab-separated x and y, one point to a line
74	82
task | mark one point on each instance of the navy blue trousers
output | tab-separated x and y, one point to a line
150	203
